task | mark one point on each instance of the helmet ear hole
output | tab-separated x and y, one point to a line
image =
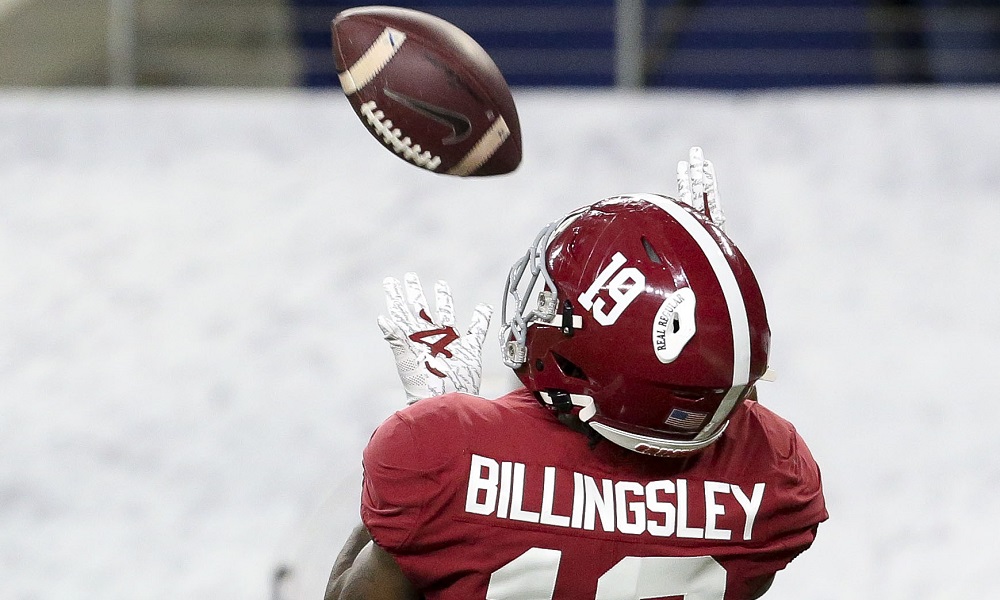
651	251
569	368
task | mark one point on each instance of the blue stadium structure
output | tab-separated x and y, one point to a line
716	44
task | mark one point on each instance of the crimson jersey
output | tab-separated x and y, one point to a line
499	500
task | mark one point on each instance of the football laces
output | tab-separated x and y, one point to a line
394	138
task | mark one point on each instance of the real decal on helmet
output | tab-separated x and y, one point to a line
674	325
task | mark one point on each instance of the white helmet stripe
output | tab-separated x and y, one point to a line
734	303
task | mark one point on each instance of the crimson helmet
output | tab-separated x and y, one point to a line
649	323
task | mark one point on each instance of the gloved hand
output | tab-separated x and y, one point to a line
696	187
432	358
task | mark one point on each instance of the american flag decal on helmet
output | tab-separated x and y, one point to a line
684	419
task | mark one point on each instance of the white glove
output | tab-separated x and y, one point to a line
697	187
432	358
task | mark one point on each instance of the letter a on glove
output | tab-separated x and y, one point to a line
431	356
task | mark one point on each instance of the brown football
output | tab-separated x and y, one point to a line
427	91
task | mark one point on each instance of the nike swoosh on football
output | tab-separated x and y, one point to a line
460	124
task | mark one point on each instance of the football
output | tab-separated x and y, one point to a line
427	91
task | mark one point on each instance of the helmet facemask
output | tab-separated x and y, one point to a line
516	314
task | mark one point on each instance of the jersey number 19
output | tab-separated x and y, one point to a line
532	576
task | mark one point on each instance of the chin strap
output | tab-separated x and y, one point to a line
564	402
654	446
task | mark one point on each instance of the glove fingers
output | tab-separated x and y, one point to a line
399	312
444	304
391	332
696	156
714	207
480	325
684	183
710	189
697	174
415	296
708	175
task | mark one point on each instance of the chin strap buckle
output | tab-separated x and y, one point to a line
567	319
557	399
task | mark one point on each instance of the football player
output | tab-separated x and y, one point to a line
634	463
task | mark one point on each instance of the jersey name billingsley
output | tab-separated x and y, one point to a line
659	508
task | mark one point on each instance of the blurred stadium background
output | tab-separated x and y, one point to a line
722	44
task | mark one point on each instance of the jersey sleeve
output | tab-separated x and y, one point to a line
798	507
775	455
809	484
397	485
